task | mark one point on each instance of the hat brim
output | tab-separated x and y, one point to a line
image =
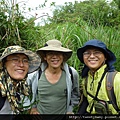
34	59
67	52
110	55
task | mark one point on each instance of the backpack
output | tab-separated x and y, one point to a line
110	89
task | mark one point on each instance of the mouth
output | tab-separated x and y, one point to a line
55	61
93	61
20	71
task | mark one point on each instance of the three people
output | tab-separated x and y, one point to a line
54	91
15	64
57	92
98	60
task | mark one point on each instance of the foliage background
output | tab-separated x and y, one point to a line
72	24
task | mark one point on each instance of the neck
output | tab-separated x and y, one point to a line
92	72
53	71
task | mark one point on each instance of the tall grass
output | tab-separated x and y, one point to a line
74	35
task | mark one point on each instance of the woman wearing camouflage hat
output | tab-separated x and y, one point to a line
15	64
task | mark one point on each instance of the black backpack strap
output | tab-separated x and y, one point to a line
98	88
110	89
39	73
70	70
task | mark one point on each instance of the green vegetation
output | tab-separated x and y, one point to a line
72	24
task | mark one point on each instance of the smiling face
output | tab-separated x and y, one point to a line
17	66
54	59
94	58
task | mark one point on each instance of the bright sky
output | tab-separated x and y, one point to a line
41	12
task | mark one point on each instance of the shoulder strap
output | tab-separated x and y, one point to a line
98	88
70	70
39	73
110	89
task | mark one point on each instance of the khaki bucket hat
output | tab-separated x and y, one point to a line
34	59
54	45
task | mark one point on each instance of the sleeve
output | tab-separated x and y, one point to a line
75	95
33	82
83	99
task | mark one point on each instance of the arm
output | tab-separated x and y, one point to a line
33	82
34	111
75	95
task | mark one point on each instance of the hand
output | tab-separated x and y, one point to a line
69	113
34	111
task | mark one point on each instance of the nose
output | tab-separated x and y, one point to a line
92	55
21	63
54	55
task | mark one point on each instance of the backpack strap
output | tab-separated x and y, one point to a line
39	73
70	70
110	89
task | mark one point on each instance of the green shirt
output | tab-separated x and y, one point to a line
52	97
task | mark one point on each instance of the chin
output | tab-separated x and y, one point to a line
18	78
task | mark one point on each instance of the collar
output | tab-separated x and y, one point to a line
98	73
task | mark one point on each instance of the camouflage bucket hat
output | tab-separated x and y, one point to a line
34	59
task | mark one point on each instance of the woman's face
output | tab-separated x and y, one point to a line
93	58
17	66
54	59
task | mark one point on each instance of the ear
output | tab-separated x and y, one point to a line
45	58
105	58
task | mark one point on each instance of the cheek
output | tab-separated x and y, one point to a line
27	69
103	59
62	59
9	67
85	60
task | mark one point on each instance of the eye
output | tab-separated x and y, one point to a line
15	60
86	53
25	61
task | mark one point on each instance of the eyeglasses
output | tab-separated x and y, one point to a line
95	53
17	60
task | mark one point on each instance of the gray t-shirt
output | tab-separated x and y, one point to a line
52	97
